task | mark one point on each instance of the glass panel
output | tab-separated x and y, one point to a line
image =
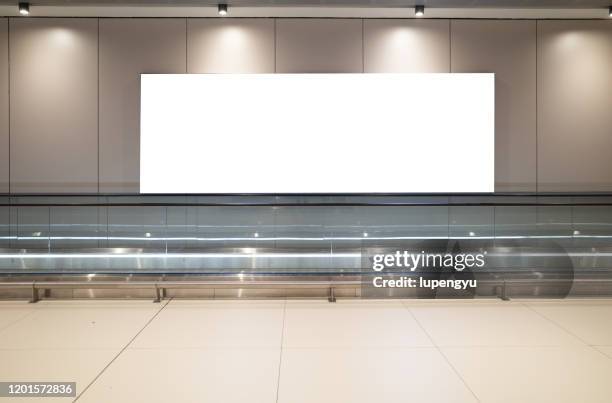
207	234
5	231
31	225
76	227
140	227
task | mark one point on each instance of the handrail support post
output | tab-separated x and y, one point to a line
34	298
332	295
504	293
157	294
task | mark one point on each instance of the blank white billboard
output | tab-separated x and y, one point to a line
317	133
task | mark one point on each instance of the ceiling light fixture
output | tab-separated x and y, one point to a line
419	11
24	8
610	11
222	8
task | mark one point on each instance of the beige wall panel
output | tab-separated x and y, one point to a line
406	46
319	46
508	49
54	87
574	106
129	47
230	45
4	107
54	105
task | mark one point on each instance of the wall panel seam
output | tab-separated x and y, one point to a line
275	44
450	46
8	61
98	105
537	111
362	45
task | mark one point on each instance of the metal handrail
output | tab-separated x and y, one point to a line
310	200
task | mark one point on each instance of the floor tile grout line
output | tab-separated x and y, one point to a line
440	351
594	347
280	358
555	323
11	324
122	350
558	325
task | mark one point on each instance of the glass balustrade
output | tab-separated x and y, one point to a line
301	235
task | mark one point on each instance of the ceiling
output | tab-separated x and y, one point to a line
337	3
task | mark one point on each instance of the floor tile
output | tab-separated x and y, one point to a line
187	375
369	375
534	374
212	324
352	351
488	324
79	324
590	320
13	311
351	324
80	366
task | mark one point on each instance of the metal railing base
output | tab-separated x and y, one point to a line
36	289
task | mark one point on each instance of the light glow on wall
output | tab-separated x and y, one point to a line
317	133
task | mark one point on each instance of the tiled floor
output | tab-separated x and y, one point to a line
295	351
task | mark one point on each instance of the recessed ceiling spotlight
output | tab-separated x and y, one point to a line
419	11
24	8
222	8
